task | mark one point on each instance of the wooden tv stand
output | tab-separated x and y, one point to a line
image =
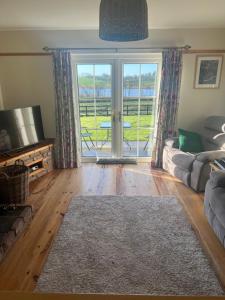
38	158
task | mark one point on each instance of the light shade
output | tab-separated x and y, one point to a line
123	20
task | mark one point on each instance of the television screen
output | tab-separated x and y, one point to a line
20	127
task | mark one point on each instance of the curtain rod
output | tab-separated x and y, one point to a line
49	51
185	48
25	54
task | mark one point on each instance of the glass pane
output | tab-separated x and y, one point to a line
131	80
139	94
86	81
148	94
148	79
95	98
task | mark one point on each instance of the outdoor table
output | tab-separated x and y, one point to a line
108	126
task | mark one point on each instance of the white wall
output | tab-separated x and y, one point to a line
28	80
197	104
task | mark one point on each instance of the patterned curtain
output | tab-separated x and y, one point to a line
168	101
67	150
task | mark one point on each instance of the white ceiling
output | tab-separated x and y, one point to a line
83	14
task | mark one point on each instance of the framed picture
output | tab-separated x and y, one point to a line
208	71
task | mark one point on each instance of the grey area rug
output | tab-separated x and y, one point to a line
127	245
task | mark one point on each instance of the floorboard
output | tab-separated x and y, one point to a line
50	197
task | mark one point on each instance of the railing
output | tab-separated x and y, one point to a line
103	110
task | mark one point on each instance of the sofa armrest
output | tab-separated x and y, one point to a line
208	156
217	179
171	142
200	175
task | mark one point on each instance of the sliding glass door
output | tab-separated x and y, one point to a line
95	104
139	99
117	100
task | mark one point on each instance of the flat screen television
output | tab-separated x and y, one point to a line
20	128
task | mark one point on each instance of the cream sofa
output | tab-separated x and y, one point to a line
194	168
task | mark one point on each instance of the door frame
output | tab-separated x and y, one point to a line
116	60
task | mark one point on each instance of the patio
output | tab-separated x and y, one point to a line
103	149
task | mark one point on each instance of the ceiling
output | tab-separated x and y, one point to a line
83	14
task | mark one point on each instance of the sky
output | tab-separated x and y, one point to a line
134	69
129	69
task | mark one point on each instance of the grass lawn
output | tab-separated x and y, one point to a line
143	129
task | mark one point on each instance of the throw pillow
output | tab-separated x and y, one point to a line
190	141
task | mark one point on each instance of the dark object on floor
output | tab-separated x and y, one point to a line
114	161
14	183
13	221
214	203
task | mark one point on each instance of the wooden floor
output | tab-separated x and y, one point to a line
51	195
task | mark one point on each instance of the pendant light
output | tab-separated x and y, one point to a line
123	20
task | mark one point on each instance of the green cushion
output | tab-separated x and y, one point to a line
190	141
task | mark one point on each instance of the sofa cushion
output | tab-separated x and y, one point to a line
208	146
217	179
215	123
214	137
214	221
181	159
190	141
217	202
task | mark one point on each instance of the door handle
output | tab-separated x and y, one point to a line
120	116
113	117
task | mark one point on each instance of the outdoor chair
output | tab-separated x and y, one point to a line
148	137
85	136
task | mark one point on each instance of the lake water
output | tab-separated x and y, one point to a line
107	92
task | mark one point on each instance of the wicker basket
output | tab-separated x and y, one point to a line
14	183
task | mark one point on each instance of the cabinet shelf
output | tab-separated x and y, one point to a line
36	172
40	159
